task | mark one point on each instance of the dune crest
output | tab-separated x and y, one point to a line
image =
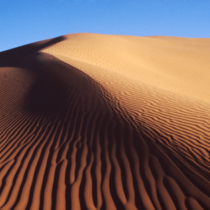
93	121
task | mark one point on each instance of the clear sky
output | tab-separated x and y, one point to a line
26	21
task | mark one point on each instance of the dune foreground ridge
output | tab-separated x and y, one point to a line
90	121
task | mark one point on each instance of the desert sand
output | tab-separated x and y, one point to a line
90	121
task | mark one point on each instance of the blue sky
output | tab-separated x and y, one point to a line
26	21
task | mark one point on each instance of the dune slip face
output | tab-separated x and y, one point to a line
91	121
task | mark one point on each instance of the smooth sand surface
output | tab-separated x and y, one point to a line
91	121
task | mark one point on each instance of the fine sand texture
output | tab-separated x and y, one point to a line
90	121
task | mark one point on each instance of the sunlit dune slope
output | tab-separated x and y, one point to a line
178	65
91	121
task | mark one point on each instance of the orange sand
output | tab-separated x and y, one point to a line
91	121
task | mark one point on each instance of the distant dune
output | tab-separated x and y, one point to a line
91	121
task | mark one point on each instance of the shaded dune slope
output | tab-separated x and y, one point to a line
69	140
14	56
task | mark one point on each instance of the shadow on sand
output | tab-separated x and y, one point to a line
12	57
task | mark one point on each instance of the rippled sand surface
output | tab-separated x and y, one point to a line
91	121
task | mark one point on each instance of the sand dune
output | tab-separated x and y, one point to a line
91	121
